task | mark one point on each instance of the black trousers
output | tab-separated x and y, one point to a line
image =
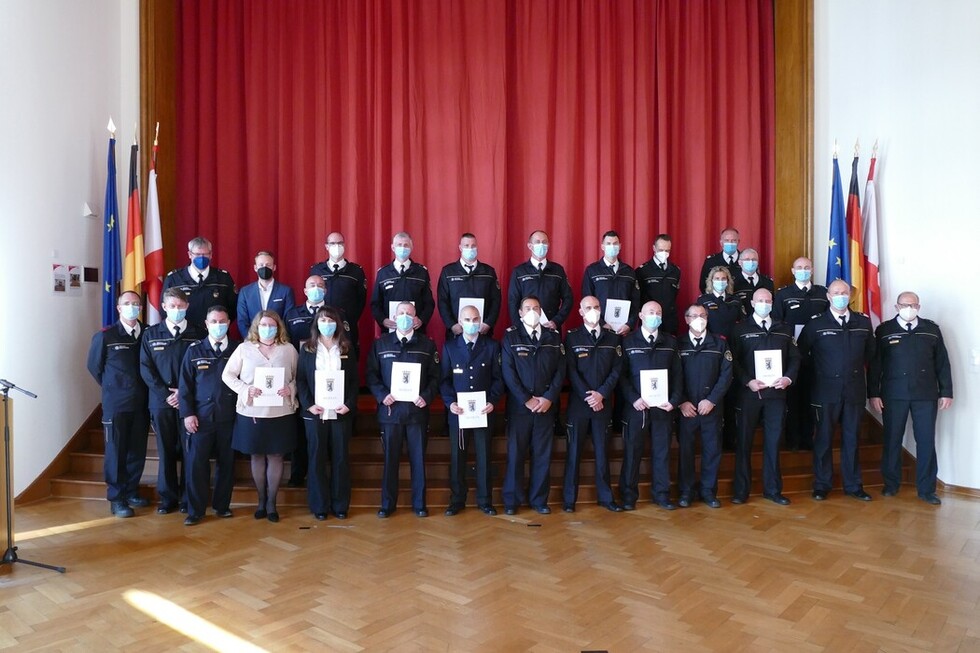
709	426
638	427
827	417
211	440
772	412
895	416
579	432
125	453
392	437
800	417
169	432
460	442
529	435
299	459
328	485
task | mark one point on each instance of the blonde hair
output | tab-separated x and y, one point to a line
282	338
719	269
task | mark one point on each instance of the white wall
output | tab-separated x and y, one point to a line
65	66
904	72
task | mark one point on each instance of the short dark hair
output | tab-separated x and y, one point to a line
343	340
173	293
610	234
664	237
217	308
467	235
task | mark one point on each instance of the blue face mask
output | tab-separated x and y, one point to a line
750	266
471	328
469	253
129	312
762	309
218	330
176	315
327	329
404	322
315	294
840	302
652	322
267	332
540	250
729	248
611	251
401	253
719	285
802	275
202	262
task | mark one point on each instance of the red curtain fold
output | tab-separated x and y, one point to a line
301	117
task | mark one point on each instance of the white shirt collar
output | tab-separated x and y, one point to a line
193	271
409	335
464	263
647	333
531	331
902	323
692	336
758	320
407	263
171	326
749	277
473	339
846	315
614	265
214	343
543	261
132	330
341	264
804	286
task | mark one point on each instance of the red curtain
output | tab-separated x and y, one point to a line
301	117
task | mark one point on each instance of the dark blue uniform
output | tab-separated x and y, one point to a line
640	354
403	420
412	286
723	314
298	322
910	372
217	288
768	403
837	359
205	396
470	369
719	259
114	361
530	370
796	307
660	285
602	283
707	375
346	291
455	283
744	289
550	286
594	364
161	354
327	440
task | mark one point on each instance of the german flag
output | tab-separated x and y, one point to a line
134	272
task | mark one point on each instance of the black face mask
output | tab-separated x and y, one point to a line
265	274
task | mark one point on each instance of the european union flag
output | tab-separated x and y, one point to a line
111	263
838	256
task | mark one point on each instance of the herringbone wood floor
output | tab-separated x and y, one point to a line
891	575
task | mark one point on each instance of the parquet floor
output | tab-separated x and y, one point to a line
891	575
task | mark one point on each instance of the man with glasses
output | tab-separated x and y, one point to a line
344	283
203	284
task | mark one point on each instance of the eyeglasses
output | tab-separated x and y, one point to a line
908	305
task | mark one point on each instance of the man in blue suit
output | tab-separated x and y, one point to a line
266	294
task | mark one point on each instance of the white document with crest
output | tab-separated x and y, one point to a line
653	387
617	312
472	404
328	392
270	380
768	365
406	380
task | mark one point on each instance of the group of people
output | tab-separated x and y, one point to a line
796	359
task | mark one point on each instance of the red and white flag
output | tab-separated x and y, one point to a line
153	244
872	283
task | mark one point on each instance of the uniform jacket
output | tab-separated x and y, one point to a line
602	283
747	338
346	291
744	290
718	260
202	392
413	286
639	355
306	381
455	283
114	361
792	305
218	288
660	286
708	369
592	366
532	370
722	315
161	356
838	358
387	350
465	371
912	366
550	286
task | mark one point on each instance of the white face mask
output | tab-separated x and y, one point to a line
592	316
531	318
699	324
661	256
336	251
908	313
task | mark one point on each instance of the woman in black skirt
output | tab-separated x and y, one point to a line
328	427
265	427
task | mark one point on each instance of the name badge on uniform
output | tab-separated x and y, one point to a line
203	366
457	370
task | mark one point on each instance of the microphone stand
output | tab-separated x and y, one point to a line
10	554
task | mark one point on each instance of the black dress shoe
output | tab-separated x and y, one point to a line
121	509
488	510
340	515
778	499
261	513
191	520
510	510
320	516
568	507
182	508
819	495
684	502
739	500
138	502
930	498
224	514
711	501
888	492
422	512
166	508
860	495
543	510
274	517
452	511
612	506
666	504
629	507
384	514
